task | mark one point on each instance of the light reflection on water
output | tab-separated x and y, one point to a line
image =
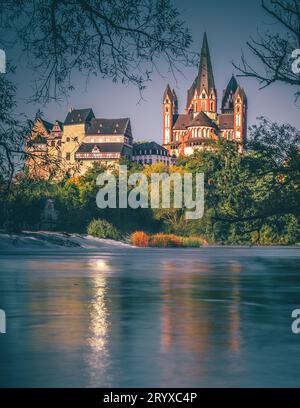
214	317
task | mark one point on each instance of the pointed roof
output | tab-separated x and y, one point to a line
168	93
227	100
240	91
205	78
202	120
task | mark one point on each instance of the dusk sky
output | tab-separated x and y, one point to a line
229	24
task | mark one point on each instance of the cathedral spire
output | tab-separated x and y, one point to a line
205	79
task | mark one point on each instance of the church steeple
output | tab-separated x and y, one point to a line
205	79
228	95
202	96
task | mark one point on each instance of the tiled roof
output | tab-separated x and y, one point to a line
226	121
108	126
77	116
202	120
182	121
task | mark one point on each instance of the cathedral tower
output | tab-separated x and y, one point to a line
202	96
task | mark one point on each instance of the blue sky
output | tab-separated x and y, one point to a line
229	24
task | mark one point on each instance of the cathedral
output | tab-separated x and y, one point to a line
201	124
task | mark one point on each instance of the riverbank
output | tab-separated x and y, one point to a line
29	240
48	240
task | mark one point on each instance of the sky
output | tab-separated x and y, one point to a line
229	24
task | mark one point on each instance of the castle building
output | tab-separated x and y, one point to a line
44	148
105	140
201	124
77	143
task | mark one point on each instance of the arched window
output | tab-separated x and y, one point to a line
211	106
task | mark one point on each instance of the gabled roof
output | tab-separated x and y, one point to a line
202	120
103	126
182	121
205	78
79	116
226	121
228	95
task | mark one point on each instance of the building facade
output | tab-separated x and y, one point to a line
77	143
201	125
149	153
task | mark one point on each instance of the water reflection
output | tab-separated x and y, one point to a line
98	358
150	318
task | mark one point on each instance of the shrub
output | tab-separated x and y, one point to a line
165	241
103	229
140	239
193	242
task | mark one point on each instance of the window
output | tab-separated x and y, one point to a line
68	156
67	139
211	106
238	120
203	105
167	109
167	121
52	143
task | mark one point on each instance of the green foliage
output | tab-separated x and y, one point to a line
251	198
103	229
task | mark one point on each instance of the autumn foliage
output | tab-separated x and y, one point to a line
139	239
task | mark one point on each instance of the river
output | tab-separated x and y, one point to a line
126	317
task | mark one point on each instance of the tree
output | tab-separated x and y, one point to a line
120	39
274	50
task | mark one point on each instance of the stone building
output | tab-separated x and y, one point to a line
201	124
77	143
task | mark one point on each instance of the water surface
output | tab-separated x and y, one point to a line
150	317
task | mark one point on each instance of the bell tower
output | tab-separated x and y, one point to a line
170	104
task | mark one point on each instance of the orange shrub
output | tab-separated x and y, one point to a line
165	241
140	239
